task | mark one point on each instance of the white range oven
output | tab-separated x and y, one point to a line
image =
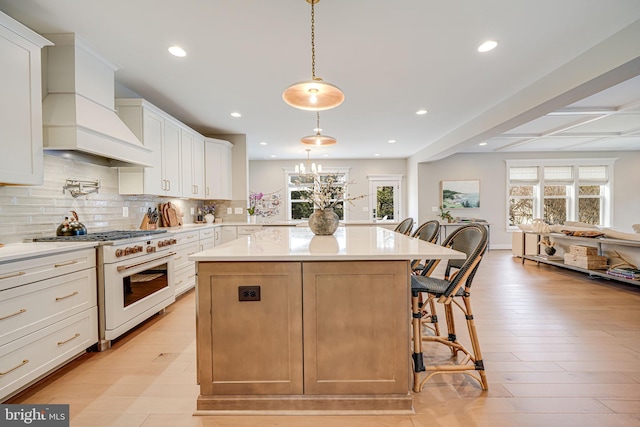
135	278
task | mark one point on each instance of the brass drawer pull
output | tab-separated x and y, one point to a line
193	275
178	257
66	341
22	310
19	273
66	263
67	296
178	282
24	362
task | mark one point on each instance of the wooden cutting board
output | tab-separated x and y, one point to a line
165	215
173	216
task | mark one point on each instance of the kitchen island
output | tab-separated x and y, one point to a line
290	322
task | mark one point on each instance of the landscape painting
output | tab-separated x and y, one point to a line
461	194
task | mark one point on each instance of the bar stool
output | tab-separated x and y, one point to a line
405	226
456	284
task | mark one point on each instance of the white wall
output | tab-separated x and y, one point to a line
490	169
267	176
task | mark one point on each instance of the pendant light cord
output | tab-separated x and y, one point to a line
313	43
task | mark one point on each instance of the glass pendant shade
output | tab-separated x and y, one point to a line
318	140
313	95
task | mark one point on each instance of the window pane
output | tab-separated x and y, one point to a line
555	211
523	173
555	190
301	210
384	202
521	190
592	173
300	179
589	190
589	210
520	211
558	173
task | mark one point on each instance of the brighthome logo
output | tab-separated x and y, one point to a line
34	415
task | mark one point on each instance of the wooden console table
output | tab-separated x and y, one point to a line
601	243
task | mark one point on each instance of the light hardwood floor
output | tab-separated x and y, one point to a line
560	349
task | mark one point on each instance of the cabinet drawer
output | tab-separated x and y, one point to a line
18	273
28	308
189	237
248	229
185	278
26	359
183	252
209	233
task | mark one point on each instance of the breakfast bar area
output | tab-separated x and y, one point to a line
288	321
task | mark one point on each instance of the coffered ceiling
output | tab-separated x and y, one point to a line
563	77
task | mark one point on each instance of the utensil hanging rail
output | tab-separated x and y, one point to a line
81	188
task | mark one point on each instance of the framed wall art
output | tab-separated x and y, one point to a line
461	194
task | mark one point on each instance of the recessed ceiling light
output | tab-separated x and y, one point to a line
376	155
421	112
263	143
234	114
177	51
273	155
487	46
325	155
482	143
391	141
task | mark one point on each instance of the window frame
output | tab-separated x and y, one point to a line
573	185
290	171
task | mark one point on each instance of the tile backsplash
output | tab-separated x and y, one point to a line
27	212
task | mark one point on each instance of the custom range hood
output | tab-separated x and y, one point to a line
79	118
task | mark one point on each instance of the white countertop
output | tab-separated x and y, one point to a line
348	243
15	251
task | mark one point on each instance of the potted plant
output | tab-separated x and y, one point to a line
445	214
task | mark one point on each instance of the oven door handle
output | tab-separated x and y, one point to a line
127	267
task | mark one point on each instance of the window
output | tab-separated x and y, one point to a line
298	208
559	191
385	191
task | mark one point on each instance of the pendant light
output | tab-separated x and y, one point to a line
311	167
314	94
318	139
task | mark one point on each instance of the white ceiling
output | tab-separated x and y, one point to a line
390	58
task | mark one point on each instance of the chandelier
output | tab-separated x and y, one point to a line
309	167
314	94
318	139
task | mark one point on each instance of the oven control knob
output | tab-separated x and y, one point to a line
128	251
119	253
161	244
139	249
173	241
151	249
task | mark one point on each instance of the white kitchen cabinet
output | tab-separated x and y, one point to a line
228	233
160	133
48	315
185	270
206	238
20	103
217	172
192	148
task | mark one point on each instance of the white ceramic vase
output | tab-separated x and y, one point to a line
209	218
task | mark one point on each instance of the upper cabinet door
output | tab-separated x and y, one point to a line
217	172
171	159
20	103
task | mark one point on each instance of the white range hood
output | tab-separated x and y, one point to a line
79	118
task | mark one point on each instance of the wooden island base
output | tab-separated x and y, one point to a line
323	336
302	404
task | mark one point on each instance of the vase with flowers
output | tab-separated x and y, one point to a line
445	215
253	201
209	213
326	193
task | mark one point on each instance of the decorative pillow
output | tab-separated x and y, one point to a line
579	224
636	228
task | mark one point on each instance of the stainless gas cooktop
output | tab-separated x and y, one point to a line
105	236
